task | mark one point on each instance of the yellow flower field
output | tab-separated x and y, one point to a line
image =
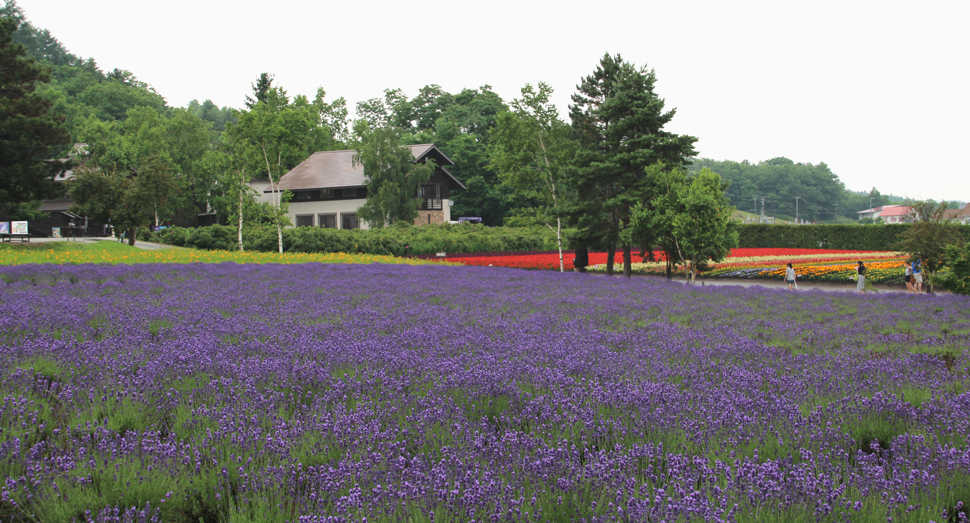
115	253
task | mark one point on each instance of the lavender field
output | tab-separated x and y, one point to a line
384	393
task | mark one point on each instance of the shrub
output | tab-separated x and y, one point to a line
878	237
172	236
143	234
398	240
957	279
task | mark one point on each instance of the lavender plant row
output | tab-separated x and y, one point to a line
335	393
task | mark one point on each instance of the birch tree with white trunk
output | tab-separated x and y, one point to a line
530	149
278	134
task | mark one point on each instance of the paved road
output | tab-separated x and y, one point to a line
803	285
87	239
779	284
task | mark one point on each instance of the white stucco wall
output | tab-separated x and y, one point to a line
333	206
260	186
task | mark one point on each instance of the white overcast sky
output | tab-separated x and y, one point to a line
877	89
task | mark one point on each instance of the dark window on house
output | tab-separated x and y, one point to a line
348	220
350	193
304	220
432	197
326	194
327	221
305	195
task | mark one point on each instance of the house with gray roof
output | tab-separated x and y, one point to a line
328	189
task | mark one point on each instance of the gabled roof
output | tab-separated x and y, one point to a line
951	214
895	210
336	169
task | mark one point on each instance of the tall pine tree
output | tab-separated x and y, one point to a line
618	120
27	129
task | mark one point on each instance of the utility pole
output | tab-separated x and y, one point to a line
796	209
763	219
836	212
755	204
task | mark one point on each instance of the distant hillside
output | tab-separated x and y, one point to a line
80	91
810	191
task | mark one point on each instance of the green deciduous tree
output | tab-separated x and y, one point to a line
780	181
112	98
232	194
380	112
420	114
530	148
957	259
690	217
176	138
618	120
333	116
392	176
930	236
27	128
140	170
459	125
122	191
280	134
702	228
208	111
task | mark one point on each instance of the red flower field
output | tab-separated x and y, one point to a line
549	260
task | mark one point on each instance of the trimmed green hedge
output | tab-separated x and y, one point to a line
429	239
883	237
397	241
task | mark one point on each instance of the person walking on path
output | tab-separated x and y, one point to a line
861	282
908	278
918	276
790	277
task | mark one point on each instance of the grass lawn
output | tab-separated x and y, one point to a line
112	252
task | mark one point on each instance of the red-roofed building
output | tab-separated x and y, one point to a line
895	214
888	213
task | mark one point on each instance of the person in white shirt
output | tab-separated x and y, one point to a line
790	277
908	278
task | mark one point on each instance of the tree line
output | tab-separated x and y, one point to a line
609	169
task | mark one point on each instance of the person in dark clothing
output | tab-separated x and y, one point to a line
581	261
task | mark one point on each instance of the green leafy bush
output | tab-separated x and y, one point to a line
172	236
396	240
143	234
957	278
878	237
